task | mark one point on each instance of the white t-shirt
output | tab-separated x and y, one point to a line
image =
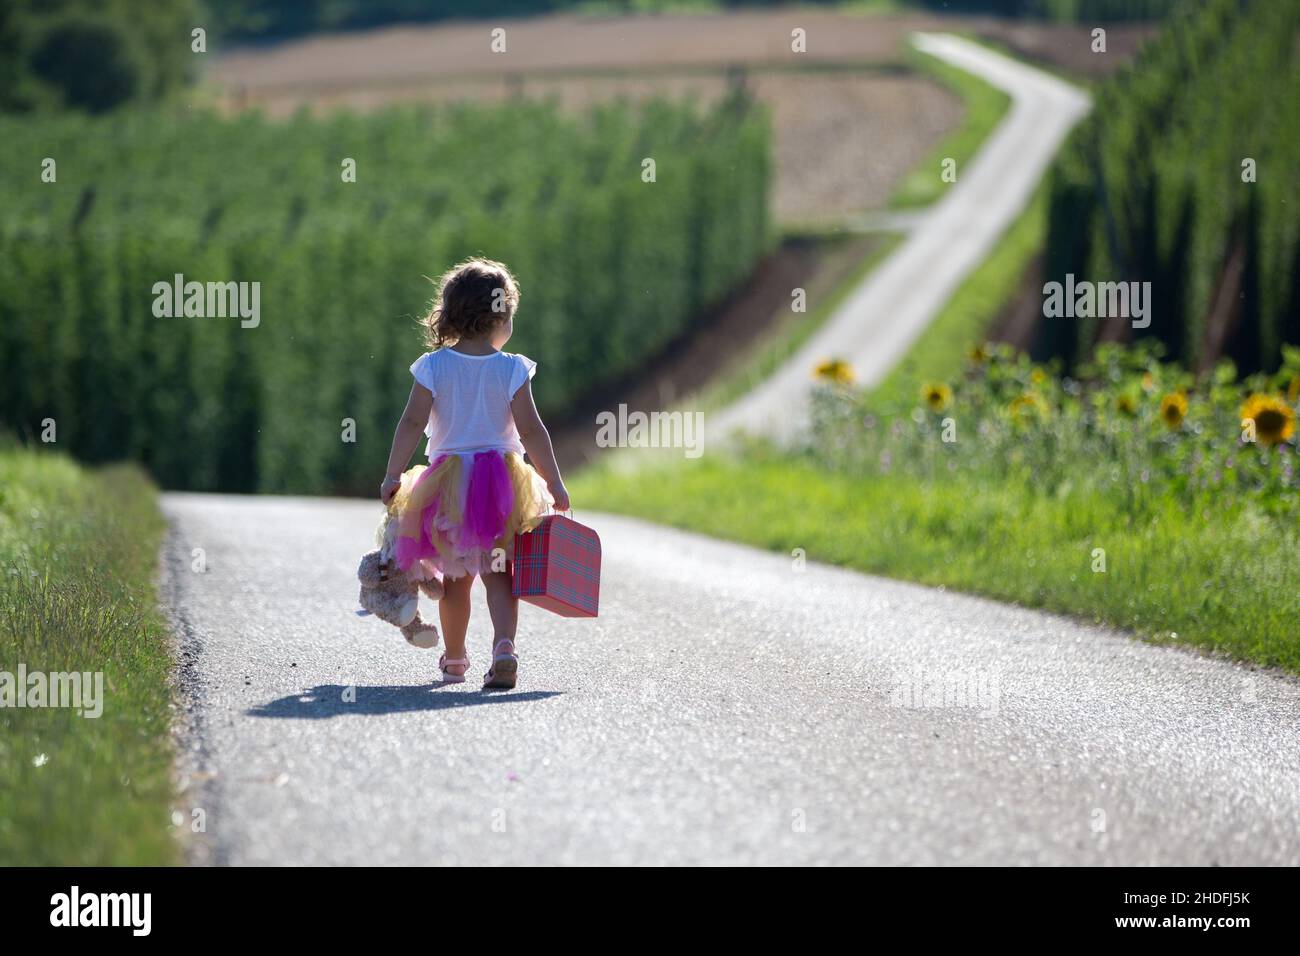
471	400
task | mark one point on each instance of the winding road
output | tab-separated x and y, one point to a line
880	319
729	706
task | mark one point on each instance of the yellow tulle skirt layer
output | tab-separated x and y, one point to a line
460	514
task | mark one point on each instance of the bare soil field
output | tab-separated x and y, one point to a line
566	42
402	54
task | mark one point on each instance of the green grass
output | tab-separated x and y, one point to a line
78	551
1225	579
985	106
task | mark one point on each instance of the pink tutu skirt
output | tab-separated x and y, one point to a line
460	514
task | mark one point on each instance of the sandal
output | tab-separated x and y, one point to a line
449	678
505	666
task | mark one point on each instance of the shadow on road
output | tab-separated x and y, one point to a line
327	700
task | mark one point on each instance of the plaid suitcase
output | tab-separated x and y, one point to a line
557	567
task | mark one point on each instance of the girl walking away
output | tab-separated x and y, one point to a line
459	515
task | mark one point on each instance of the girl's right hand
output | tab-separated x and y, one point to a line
561	496
388	489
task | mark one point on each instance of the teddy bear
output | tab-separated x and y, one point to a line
391	595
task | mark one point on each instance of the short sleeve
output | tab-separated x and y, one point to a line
525	368
422	369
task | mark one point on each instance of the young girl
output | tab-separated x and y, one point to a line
458	517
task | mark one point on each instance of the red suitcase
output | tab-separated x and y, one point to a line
557	567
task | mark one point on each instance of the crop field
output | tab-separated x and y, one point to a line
612	265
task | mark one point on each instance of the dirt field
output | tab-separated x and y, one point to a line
848	123
824	123
462	49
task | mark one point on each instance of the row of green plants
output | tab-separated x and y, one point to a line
1183	176
614	257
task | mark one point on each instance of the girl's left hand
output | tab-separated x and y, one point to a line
388	489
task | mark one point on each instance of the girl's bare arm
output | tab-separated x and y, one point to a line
405	437
537	442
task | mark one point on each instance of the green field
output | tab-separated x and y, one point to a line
77	558
1183	176
614	259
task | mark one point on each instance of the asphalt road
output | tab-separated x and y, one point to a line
880	319
726	707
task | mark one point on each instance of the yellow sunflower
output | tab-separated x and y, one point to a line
835	371
1274	419
978	354
1173	409
1126	405
1038	376
1024	408
936	396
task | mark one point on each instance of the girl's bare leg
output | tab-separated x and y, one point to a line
453	611
502	606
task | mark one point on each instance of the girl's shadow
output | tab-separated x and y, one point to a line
338	700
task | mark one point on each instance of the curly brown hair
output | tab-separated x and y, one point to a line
474	296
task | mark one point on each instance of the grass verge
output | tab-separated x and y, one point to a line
78	551
1166	574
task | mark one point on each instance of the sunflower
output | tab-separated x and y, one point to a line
1126	405
1038	376
1274	419
936	396
1173	409
835	371
978	354
1024	408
